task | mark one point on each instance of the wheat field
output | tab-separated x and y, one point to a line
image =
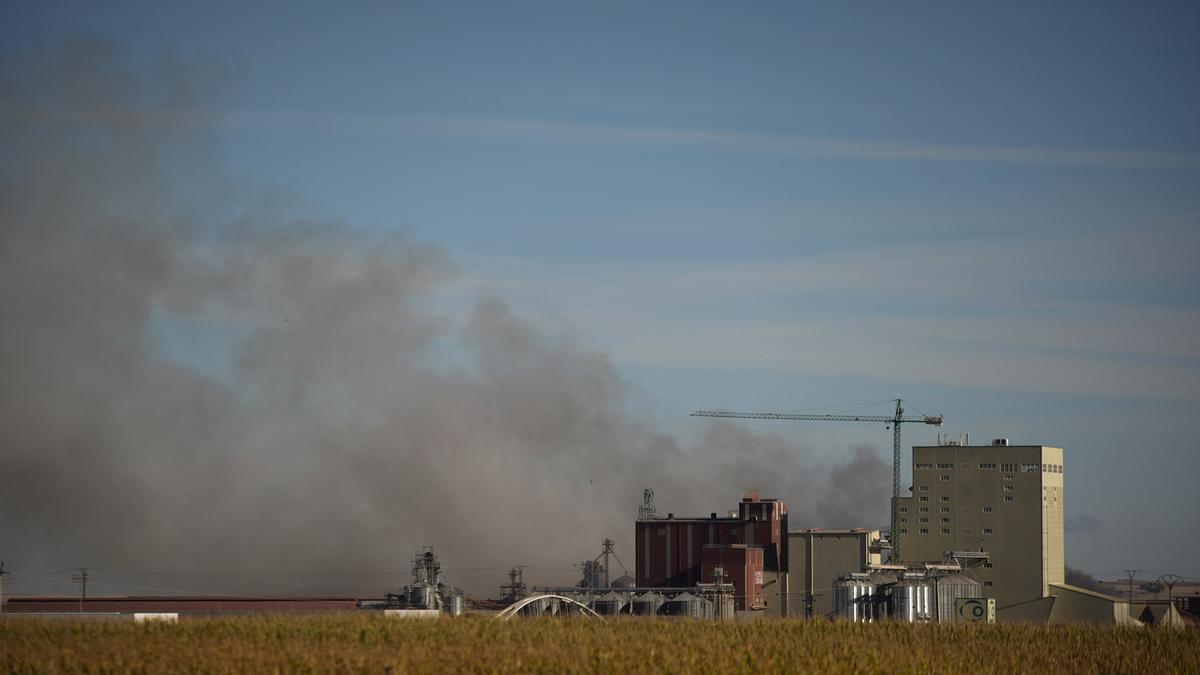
374	644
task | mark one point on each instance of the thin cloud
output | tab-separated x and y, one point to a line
512	129
822	147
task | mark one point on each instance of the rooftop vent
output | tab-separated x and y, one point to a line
1003	442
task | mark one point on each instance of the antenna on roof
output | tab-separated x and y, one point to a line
647	511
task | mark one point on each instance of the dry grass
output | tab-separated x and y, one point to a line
370	643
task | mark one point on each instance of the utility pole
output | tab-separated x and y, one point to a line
81	579
2	573
810	601
1170	580
515	589
1131	574
608	549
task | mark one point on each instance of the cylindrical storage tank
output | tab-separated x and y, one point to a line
648	604
686	604
912	600
423	596
536	608
611	603
454	604
880	603
723	607
852	597
948	588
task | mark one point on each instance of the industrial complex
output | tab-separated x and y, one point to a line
979	537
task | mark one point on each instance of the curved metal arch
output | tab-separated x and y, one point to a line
511	611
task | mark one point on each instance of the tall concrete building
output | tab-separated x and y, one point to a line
1003	499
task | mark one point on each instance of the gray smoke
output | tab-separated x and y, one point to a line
195	380
1077	577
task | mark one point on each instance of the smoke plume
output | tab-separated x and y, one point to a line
194	379
1077	577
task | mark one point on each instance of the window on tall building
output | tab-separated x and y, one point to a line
1008	476
988	584
1010	488
904	520
945	466
988	564
944	498
945	520
924	509
924	488
1011	468
903	509
924	520
987	509
945	509
1008	498
923	467
945	476
924	530
924	499
987	466
1030	467
945	530
987	530
904	530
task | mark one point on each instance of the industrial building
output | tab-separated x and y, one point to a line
1005	500
739	565
817	557
184	605
983	523
670	550
1070	604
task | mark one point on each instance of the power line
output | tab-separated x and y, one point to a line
40	574
1131	574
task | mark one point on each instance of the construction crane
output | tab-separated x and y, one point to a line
893	421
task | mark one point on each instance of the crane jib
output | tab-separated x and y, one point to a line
894	420
935	420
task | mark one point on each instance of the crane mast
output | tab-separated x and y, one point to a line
893	420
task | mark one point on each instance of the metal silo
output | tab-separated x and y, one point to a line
611	603
423	596
536	608
912	599
454	604
723	607
625	581
648	603
686	604
948	588
852	595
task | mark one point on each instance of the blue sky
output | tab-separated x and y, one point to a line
991	211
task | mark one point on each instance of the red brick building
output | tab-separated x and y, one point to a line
669	550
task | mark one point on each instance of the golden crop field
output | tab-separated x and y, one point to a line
371	643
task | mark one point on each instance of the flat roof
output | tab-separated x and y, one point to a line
833	530
697	519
